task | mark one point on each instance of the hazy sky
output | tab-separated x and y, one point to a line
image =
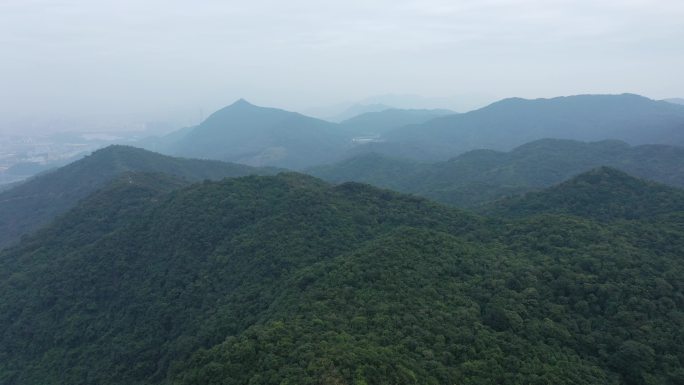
158	58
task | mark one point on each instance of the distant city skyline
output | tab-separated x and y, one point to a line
178	61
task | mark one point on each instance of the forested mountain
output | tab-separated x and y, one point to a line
485	175
603	194
35	202
259	136
376	123
286	279
512	122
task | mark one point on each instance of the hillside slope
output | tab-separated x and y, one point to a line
259	136
602	194
35	202
480	176
286	279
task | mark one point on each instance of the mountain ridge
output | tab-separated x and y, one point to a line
261	136
479	176
33	203
511	122
288	279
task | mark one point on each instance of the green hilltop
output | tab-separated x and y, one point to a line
602	194
260	136
34	203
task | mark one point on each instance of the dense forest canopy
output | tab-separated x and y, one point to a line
286	279
34	203
140	268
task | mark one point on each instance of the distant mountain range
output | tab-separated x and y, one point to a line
29	205
247	134
288	280
480	176
356	110
258	136
675	100
512	122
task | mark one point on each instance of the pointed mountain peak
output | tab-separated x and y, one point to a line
242	103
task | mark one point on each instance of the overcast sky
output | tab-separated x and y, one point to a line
157	58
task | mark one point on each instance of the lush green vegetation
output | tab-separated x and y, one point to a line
482	176
288	280
604	194
34	203
512	122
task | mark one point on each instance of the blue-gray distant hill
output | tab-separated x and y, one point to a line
356	110
259	136
479	176
509	123
376	123
37	201
675	100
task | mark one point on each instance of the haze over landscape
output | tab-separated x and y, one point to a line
155	60
406	192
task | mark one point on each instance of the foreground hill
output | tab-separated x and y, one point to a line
484	175
286	279
259	136
35	202
511	122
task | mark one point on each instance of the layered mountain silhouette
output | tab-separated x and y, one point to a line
287	279
603	194
259	136
480	176
512	122
377	123
37	201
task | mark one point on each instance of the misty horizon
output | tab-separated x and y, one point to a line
128	62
